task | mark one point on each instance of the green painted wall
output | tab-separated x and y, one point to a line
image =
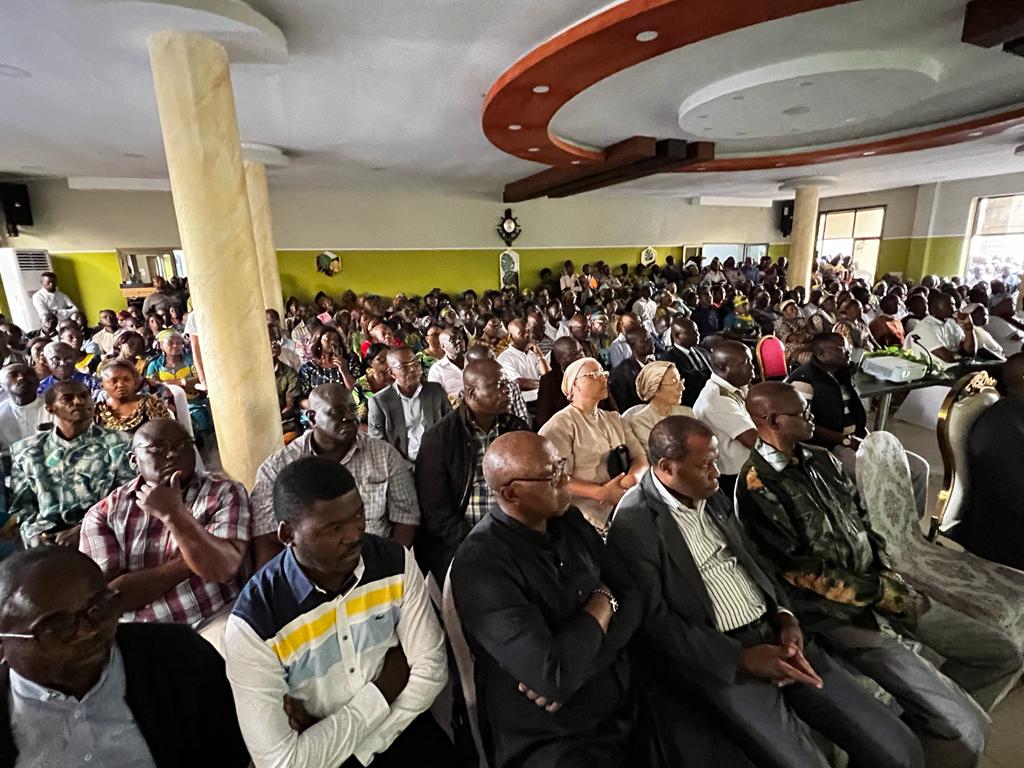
892	256
778	250
935	256
90	279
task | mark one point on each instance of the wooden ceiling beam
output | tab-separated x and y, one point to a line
990	23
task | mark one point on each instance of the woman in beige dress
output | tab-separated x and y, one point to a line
585	436
661	388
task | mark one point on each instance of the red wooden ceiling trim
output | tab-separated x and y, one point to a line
989	23
598	47
935	137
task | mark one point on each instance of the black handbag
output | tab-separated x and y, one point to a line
618	461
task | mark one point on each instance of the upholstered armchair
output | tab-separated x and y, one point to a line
987	591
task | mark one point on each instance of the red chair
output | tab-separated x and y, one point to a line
771	358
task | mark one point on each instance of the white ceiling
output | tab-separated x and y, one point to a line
386	94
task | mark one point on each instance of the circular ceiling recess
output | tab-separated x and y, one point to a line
829	96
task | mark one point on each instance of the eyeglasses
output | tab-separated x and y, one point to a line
410	366
164	449
64	628
805	414
594	375
554	478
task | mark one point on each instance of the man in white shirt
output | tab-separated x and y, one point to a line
722	406
946	339
49	299
983	340
619	349
23	411
448	370
1005	328
107	332
645	307
523	361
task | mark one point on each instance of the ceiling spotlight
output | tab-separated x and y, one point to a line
646	37
976	133
869	153
533	149
7	70
541	89
515	127
799	109
779	165
806	83
702	117
741	133
576	162
850	120
740	97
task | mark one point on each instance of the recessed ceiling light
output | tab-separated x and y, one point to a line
739	97
541	89
741	133
702	117
646	37
806	83
707	129
869	153
976	133
850	120
779	165
515	127
533	149
133	155
799	109
576	162
7	70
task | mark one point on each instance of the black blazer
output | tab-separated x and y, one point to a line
178	693
694	377
386	419
650	566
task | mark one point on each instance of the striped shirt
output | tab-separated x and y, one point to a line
287	636
121	537
735	597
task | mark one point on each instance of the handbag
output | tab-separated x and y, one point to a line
618	461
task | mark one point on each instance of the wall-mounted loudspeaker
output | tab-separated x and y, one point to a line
785	209
17	211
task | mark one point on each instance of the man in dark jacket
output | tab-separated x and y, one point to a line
692	361
449	476
79	689
714	627
622	382
401	413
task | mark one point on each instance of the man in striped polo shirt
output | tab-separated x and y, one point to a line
333	650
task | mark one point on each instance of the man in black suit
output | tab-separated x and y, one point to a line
401	413
622	382
715	628
691	360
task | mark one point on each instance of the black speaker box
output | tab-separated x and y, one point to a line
17	211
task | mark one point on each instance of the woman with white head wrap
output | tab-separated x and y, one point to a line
661	388
585	436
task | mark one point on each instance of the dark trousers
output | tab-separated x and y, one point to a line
423	744
774	723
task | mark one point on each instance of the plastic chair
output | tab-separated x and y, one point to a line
966	401
771	358
181	406
464	662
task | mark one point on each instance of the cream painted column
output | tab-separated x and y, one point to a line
259	209
805	224
204	158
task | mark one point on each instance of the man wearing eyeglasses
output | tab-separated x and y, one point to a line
805	516
383	476
79	689
403	411
550	675
172	540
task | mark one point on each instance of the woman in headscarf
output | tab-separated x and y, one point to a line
175	366
603	457
661	388
792	331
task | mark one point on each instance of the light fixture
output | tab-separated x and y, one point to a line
869	153
576	162
8	70
702	117
741	133
646	37
976	133
806	83
740	97
515	127
541	89
533	149
779	165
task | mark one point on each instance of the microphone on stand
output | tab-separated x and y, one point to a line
916	338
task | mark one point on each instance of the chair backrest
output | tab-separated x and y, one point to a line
883	479
966	401
464	663
633	409
771	358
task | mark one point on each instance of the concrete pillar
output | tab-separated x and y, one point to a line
204	158
802	240
259	209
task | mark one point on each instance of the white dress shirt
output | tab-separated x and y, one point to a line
520	365
56	302
1008	336
936	334
447	374
20	421
412	410
645	308
720	405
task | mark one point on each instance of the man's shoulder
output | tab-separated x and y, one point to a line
434	391
282	456
377	449
29	446
154	644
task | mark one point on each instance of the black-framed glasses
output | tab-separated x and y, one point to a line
805	414
554	478
162	448
64	628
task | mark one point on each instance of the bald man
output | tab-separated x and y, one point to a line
528	590
720	405
993	521
172	540
523	361
450	484
805	515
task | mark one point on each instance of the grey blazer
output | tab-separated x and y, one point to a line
386	419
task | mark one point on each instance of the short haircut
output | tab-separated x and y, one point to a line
671	436
50	275
51	394
825	338
15	570
372	351
118	362
308	480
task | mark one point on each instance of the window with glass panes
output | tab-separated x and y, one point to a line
855	232
996	249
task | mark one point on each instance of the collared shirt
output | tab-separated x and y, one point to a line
412	411
55	481
54	730
56	302
521	365
447	374
93	384
936	334
20	421
520	594
516	403
645	308
121	537
382	476
105	340
1006	335
735	597
288	636
618	351
720	405
481	498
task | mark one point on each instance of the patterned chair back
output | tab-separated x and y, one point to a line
966	401
464	663
883	479
771	358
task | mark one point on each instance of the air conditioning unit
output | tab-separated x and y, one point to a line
20	272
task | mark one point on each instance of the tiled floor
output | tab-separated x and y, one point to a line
1006	741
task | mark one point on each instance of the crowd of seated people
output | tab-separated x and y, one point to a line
654	559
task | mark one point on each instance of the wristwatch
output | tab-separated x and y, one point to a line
847	442
611	598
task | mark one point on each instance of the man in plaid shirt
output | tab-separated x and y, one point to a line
172	540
